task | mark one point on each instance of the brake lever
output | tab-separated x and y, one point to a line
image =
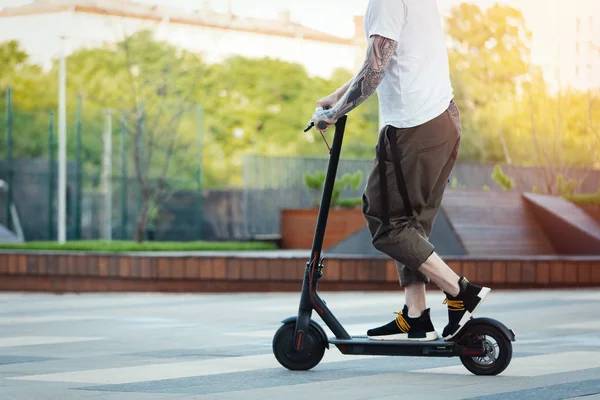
321	125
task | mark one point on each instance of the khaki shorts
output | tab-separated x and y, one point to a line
405	188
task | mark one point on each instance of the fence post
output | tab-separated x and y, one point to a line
139	143
199	213
62	147
51	168
107	175
79	176
141	134
123	177
9	157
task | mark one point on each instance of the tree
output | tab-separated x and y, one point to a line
554	132
12	58
593	109
152	85
593	123
261	105
488	57
32	98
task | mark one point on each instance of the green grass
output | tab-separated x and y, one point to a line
124	246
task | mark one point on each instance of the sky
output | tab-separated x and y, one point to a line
331	16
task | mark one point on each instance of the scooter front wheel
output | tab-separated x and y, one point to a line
308	357
497	347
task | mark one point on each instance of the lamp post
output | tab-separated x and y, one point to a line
62	144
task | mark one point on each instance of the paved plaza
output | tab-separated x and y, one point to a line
218	346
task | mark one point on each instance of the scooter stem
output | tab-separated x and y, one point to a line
309	298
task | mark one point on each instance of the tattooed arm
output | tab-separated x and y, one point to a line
365	83
329	101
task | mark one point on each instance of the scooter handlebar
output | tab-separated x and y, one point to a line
320	125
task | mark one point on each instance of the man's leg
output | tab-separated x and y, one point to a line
441	274
381	202
414	281
412	202
427	218
424	152
462	297
415	297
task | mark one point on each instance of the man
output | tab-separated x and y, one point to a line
407	63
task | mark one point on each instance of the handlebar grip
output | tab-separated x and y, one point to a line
322	125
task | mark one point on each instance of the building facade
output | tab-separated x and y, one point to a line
88	23
566	41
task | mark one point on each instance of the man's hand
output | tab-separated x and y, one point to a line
326	115
328	102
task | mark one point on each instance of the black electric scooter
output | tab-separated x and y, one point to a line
483	344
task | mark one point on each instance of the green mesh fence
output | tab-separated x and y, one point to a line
29	167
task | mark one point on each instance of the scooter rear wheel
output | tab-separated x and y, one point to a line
307	358
497	346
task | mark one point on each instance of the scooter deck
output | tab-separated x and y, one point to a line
364	346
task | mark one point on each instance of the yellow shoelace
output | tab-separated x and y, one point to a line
401	322
454	305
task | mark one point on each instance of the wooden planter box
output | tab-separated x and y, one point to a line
298	226
591	210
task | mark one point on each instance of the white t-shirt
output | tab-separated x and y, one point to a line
416	87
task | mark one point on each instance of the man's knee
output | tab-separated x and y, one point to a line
405	245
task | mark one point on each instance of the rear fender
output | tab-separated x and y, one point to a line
510	335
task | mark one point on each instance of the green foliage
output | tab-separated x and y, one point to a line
251	106
588	199
315	182
566	187
152	85
505	182
488	55
560	187
341	184
261	105
350	202
486	188
556	131
33	95
125	246
11	57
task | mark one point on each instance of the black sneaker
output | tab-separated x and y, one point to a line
406	328
463	306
